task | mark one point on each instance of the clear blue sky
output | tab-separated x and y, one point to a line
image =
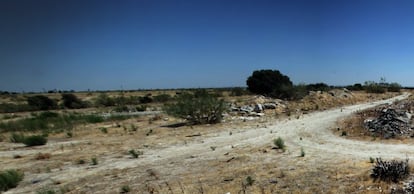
99	45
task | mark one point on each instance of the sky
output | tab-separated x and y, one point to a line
156	44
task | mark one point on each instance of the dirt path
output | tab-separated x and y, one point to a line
311	132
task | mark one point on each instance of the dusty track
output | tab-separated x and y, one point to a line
311	132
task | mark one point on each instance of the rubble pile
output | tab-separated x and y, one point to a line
390	123
257	106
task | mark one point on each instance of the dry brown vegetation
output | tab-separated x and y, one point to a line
167	165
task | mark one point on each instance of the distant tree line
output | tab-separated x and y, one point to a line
272	83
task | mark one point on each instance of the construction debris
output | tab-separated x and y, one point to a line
257	106
390	123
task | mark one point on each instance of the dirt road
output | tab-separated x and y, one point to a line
312	132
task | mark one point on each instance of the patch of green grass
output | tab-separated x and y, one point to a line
10	179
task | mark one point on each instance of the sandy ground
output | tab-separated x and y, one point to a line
188	166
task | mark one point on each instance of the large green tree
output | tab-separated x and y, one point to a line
270	83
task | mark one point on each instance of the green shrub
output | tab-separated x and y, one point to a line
279	143
318	87
17	138
10	179
125	189
72	101
394	87
249	181
390	170
93	118
146	99
35	140
373	87
134	153
198	108
40	102
302	152
141	108
94	161
69	134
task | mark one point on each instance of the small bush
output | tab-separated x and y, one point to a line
302	152
125	189
344	133
198	108
249	181
40	102
390	170
92	118
72	101
17	138
94	161
104	100
10	179
279	143
373	87
35	140
141	108
135	154
371	160
394	87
